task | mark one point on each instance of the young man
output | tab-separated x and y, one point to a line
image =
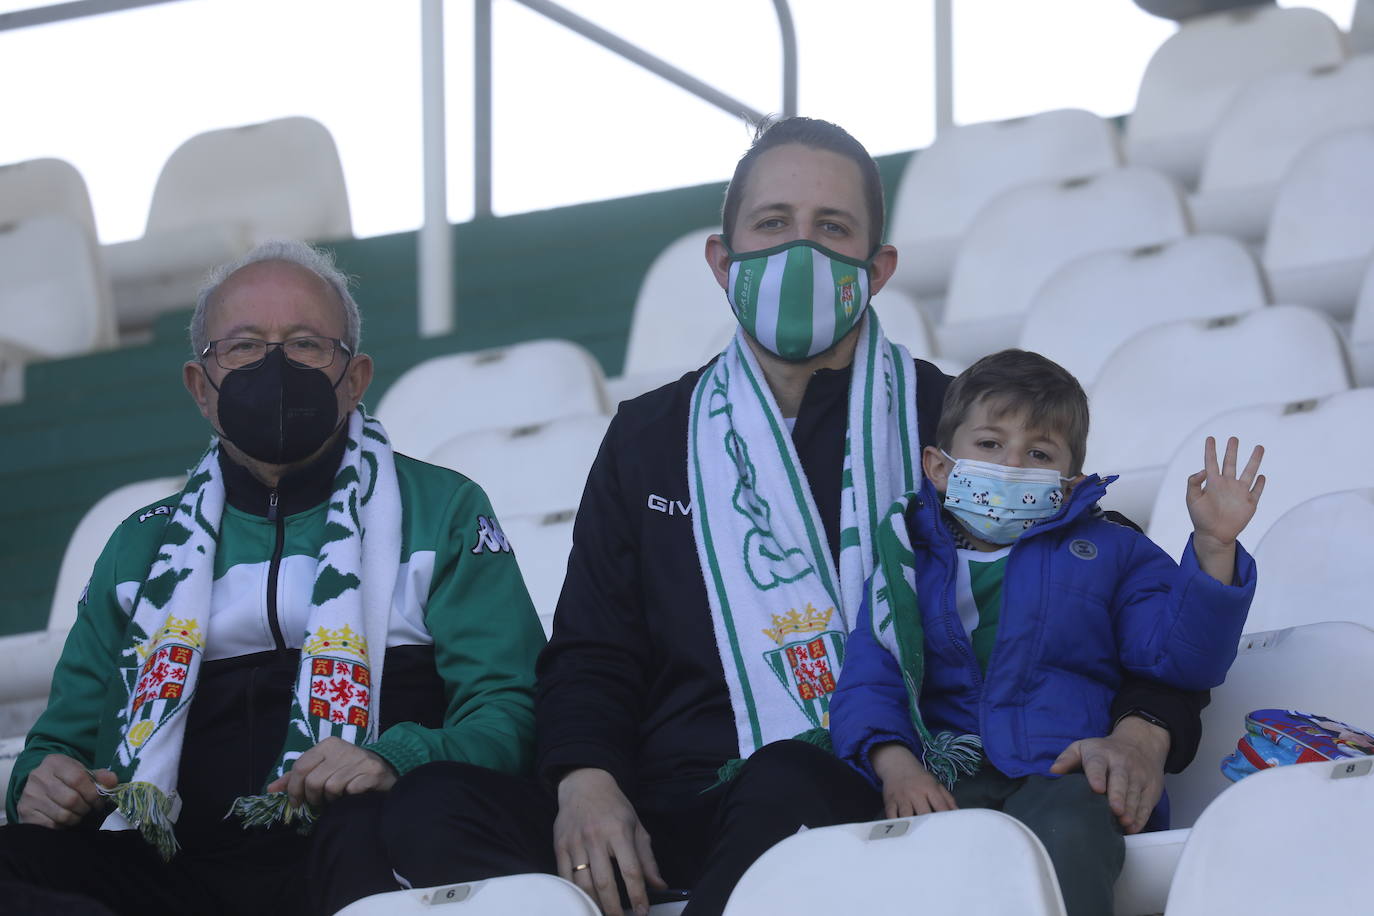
312	617
688	639
1006	612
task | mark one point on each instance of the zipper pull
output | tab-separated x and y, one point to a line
272	506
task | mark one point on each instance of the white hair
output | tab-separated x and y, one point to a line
318	261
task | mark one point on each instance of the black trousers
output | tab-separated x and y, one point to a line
447	823
71	871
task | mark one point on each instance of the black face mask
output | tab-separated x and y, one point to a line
278	413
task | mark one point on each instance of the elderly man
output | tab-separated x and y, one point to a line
311	618
717	564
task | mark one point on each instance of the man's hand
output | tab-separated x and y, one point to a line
597	824
331	769
1222	509
60	792
908	787
1128	765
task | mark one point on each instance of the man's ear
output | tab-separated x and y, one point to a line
881	270
198	385
718	258
357	377
936	466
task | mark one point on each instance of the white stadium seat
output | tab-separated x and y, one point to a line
1289	839
945	185
10	749
1362	331
1321	668
520	385
1310	448
528	469
1262	133
1321	234
1160	385
38	186
1313	562
546	895
54	296
31	657
1094	304
1194	75
542	543
1362	27
936	863
220	193
1023	237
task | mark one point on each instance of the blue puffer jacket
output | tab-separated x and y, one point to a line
1084	601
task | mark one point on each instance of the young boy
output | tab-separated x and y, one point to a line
1007	609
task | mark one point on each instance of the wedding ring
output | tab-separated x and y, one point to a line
582	866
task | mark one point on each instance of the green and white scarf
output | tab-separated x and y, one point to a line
896	621
340	675
780	608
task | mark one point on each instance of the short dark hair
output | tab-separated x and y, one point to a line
815	134
1020	380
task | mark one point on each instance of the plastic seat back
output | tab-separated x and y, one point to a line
1264	130
280	178
945	185
1298	460
1096	303
38	186
542	543
525	384
1161	385
1321	233
1313	561
1321	668
546	895
1362	331
938	858
1194	75
528	469
54	296
1021	238
1291	839
679	308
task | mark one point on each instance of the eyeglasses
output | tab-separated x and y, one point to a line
249	352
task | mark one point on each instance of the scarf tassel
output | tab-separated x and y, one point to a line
271	809
147	808
948	756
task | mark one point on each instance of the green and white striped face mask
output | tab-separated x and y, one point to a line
797	299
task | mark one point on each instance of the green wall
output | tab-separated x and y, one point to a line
90	424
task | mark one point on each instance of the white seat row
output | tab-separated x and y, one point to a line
1308	820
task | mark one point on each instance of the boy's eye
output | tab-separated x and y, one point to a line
987	443
1038	455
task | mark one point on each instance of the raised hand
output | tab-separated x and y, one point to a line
1221	504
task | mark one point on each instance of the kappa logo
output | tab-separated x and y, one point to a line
490	537
669	506
159	510
1083	549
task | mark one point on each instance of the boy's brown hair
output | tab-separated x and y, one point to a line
1018	380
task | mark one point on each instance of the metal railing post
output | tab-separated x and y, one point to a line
481	109
435	264
789	58
944	66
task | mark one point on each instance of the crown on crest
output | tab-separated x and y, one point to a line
325	641
181	630
794	621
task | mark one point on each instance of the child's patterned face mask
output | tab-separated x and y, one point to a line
996	503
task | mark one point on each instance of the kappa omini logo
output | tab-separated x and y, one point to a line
490	537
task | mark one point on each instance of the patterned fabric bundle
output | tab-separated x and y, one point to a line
896	618
780	608
1276	737
340	675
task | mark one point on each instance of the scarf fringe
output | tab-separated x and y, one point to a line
271	809
149	810
948	756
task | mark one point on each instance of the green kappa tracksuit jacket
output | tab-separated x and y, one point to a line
460	652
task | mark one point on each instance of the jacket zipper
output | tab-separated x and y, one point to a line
273	569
